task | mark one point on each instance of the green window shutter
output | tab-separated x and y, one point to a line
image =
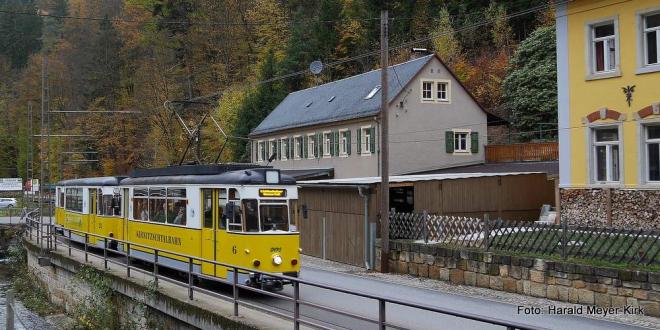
320	140
348	142
305	143
373	140
291	147
359	141
449	141
474	142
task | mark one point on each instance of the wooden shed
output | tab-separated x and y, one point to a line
339	216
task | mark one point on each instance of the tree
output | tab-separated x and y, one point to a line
446	45
530	88
20	35
257	106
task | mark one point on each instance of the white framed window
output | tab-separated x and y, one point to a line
297	147
344	141
436	90
284	149
311	146
461	141
427	90
273	148
603	52
651	38
260	151
366	143
327	144
606	154
442	91
651	135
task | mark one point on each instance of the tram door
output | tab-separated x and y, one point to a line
212	230
91	225
208	230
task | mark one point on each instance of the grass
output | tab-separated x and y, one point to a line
27	287
610	249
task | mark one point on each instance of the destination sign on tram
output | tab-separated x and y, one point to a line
272	192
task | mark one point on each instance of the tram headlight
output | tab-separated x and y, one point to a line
277	259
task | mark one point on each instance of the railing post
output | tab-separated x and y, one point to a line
86	240
10	309
128	259
235	291
53	233
296	306
190	278
487	231
156	267
381	315
105	252
69	243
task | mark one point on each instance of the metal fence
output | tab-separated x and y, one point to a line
608	244
49	234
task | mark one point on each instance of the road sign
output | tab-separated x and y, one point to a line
11	184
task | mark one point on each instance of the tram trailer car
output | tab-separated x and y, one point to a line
246	217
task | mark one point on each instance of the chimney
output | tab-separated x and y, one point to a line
418	52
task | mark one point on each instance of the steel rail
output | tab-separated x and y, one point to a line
297	319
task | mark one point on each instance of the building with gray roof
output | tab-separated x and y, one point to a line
434	123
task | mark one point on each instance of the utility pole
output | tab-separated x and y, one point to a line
29	169
384	148
42	146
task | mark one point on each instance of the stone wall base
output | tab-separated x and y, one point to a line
561	281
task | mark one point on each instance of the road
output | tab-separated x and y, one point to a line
406	317
397	315
11	220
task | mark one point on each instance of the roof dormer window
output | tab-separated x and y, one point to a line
372	93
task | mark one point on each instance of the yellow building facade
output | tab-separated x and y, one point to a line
608	61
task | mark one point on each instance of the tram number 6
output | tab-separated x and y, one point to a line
234	250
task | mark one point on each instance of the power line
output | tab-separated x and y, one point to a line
189	23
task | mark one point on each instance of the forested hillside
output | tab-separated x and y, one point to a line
238	58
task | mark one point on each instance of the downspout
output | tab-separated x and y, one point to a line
364	193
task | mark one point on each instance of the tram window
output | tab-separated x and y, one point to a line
109	204
157	205
60	195
140	209
74	199
176	206
251	215
176	211
274	217
234	216
207	205
222	205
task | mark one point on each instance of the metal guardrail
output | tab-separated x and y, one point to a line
236	300
15	214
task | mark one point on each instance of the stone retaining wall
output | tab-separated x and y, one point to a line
620	208
562	281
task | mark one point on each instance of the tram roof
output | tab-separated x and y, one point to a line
97	181
242	177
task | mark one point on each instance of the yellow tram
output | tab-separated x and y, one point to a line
234	214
